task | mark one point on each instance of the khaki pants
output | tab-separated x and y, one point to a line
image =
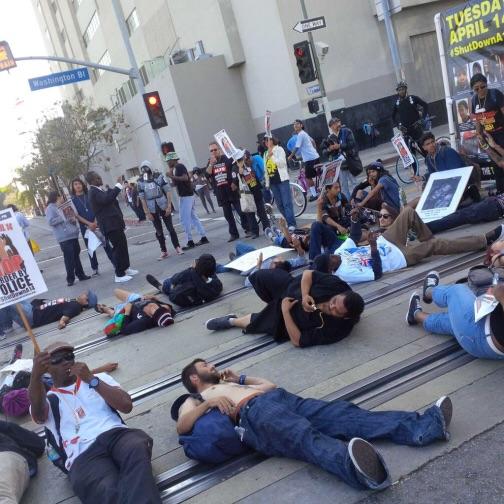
14	477
408	219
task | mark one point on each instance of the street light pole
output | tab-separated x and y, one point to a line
323	95
132	60
391	36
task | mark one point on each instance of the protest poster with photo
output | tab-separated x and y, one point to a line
20	277
248	262
442	193
330	172
68	211
402	149
267	124
225	143
473	43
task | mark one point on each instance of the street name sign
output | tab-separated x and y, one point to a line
307	25
59	79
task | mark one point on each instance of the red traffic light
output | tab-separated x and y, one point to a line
155	110
153	100
299	52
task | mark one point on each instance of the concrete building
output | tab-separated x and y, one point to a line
244	66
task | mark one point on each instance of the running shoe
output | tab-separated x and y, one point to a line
431	280
366	461
220	323
413	307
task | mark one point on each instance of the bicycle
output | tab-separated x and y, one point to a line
415	166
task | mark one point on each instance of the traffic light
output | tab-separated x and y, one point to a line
304	62
155	110
313	106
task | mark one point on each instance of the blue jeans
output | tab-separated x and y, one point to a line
322	235
166	286
459	320
9	314
283	199
282	424
347	182
188	217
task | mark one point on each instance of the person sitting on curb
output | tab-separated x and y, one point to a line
19	450
276	423
107	462
40	312
314	309
139	313
483	339
193	286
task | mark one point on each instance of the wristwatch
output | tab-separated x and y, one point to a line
94	382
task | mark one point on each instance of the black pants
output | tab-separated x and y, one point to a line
261	211
93	260
71	250
115	469
227	208
117	239
158	226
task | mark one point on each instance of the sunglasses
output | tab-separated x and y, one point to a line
384	216
480	87
70	356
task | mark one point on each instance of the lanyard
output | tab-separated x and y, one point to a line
77	413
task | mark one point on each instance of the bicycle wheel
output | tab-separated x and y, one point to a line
406	174
443	140
298	199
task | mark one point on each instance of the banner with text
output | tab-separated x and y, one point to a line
20	277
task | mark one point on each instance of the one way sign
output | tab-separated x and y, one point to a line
310	24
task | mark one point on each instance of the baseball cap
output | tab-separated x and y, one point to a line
92	299
58	345
147	164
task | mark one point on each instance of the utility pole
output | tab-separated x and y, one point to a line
132	60
325	102
391	36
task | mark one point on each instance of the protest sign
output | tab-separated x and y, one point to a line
20	277
402	149
226	145
68	211
267	124
248	261
330	172
442	193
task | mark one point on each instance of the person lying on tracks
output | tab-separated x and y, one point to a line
354	264
135	313
482	339
107	462
277	423
40	312
193	286
312	309
289	238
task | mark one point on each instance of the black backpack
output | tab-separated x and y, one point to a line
185	295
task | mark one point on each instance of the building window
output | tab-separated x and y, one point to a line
132	87
91	29
132	21
104	60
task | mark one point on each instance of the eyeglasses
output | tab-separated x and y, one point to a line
70	356
384	216
480	87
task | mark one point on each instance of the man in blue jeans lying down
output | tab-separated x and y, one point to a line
278	423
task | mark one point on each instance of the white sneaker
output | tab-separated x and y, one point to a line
131	272
125	278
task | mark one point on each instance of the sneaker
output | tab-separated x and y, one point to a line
96	272
154	282
125	278
268	232
312	198
233	238
69	284
220	323
431	280
190	245
366	461
248	234
163	255
445	405
9	330
291	229
131	272
17	354
203	241
85	277
179	251
232	256
277	230
413	307
499	233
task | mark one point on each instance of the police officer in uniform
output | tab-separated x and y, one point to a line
154	193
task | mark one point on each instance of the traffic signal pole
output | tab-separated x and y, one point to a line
325	101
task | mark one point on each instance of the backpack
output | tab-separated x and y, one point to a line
480	278
185	295
114	325
16	403
213	438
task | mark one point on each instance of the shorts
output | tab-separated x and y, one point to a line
131	299
310	170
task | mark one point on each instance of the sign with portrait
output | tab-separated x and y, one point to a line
330	172
20	277
403	150
225	144
267	124
442	193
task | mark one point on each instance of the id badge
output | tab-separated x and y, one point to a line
80	412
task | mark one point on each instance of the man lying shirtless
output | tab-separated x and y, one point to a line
278	423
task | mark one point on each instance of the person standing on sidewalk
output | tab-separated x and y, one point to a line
154	193
66	233
202	190
87	220
179	176
226	187
110	220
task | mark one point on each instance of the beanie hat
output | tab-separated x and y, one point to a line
163	317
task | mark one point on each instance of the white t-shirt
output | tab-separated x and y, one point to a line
356	261
305	147
93	414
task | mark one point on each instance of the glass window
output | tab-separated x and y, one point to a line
132	21
104	60
91	29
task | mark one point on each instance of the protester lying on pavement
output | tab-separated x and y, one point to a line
135	313
19	450
277	423
193	286
106	461
40	312
313	309
282	236
483	339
